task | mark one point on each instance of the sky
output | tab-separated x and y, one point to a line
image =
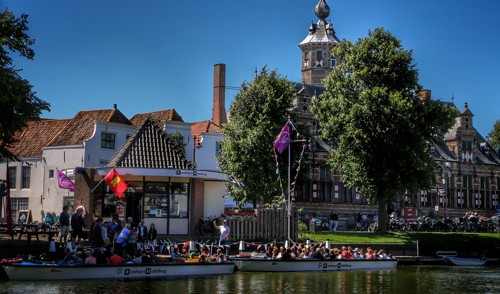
153	55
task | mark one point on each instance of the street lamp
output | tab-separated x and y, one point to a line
446	169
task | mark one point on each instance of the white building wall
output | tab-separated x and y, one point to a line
34	192
206	156
214	198
95	156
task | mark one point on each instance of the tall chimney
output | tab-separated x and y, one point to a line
219	107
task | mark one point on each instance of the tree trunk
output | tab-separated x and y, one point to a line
383	218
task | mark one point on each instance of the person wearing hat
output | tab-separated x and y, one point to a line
97	240
224	233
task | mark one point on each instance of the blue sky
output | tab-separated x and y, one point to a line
155	54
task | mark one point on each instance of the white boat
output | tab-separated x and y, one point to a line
454	260
33	271
304	265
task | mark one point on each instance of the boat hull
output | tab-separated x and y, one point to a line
301	265
30	271
460	261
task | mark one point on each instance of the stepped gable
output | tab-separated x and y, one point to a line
35	136
148	147
162	115
81	127
198	128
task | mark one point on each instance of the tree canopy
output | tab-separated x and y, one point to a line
494	136
380	129
18	103
259	111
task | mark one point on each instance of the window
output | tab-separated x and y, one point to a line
51	173
179	200
334	62
166	200
26	177
319	54
108	140
17	204
218	148
325	173
69	201
12	177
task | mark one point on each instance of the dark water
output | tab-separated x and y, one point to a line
406	279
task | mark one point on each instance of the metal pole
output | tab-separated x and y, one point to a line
288	203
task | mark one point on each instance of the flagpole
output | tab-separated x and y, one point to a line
93	189
289	204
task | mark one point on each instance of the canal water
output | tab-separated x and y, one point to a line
405	279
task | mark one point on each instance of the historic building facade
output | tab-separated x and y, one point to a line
467	168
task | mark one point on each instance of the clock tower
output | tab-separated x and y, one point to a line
317	59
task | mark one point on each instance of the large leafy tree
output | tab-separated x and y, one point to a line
494	136
257	115
18	103
379	127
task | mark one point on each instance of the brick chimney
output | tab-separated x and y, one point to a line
219	107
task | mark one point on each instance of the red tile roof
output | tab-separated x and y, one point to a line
81	127
206	126
35	136
162	115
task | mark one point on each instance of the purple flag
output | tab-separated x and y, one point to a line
64	181
283	139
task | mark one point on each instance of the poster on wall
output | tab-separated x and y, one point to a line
158	212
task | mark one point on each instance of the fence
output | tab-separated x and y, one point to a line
266	225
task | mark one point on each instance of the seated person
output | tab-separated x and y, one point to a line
89	258
115	259
317	254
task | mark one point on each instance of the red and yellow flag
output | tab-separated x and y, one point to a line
116	182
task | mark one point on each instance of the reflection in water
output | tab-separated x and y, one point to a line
414	279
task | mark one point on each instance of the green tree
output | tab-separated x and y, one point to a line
494	136
257	115
18	103
379	127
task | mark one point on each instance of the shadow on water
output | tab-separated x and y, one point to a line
406	279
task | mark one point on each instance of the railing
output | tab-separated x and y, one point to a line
266	225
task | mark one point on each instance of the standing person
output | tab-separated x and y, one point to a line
64	222
225	230
97	240
142	232
77	225
152	236
334	221
132	242
122	239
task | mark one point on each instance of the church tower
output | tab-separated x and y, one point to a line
317	60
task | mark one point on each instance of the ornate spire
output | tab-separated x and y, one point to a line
322	10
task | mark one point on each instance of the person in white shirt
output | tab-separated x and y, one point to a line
224	230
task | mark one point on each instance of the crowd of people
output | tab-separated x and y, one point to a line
111	242
323	253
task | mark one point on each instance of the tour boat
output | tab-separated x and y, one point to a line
34	271
253	264
454	260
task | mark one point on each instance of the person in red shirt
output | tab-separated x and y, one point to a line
346	253
115	259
